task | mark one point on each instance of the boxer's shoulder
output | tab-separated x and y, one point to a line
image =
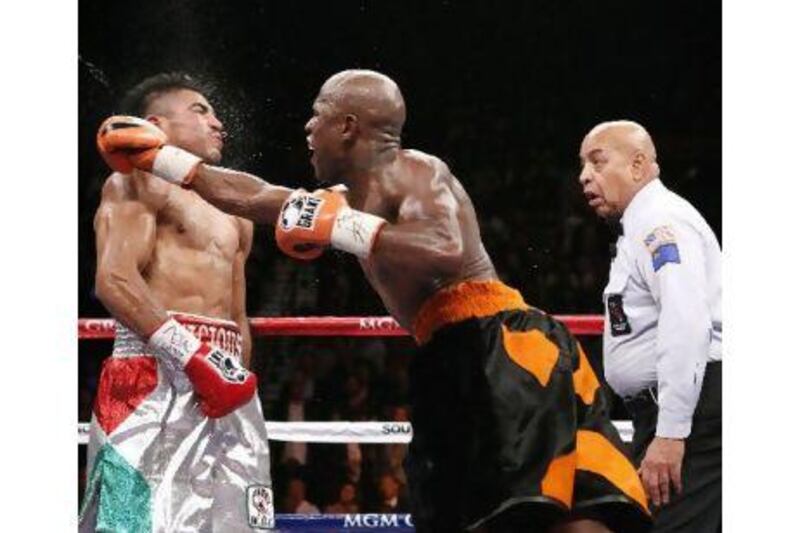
136	187
120	205
425	172
117	188
425	163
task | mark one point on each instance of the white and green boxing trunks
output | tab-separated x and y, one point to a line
156	463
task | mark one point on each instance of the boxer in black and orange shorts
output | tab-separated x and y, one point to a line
508	413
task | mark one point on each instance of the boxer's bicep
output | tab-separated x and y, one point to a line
427	234
438	221
125	235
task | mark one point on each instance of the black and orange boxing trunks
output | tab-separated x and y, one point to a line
511	425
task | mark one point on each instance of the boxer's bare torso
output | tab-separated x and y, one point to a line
188	253
419	188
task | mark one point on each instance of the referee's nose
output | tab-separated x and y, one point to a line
585	175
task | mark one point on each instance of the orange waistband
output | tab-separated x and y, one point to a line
468	299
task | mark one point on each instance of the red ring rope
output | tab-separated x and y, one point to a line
332	326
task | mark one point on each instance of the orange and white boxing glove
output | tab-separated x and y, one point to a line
310	222
128	143
220	382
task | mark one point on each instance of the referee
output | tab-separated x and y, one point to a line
662	343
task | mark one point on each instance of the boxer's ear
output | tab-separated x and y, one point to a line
350	127
158	120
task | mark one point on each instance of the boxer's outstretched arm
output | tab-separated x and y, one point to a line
125	232
129	142
240	193
425	239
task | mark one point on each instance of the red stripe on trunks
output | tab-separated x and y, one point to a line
124	384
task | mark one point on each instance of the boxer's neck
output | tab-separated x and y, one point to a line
370	174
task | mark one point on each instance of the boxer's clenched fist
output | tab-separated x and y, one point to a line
310	222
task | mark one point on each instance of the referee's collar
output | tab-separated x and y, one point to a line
641	200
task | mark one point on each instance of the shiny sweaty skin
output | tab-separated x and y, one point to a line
161	247
433	240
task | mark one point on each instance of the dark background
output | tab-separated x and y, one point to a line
502	91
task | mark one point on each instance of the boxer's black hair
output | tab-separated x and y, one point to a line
136	101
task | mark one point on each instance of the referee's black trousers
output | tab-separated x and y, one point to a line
699	508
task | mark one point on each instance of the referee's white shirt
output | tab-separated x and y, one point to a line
663	306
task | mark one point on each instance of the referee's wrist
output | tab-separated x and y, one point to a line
671	426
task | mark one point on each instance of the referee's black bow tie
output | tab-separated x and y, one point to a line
616	232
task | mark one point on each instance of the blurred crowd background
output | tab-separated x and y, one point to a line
503	92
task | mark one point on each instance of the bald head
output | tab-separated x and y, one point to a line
371	96
626	135
618	158
357	120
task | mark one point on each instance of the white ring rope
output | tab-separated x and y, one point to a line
344	432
